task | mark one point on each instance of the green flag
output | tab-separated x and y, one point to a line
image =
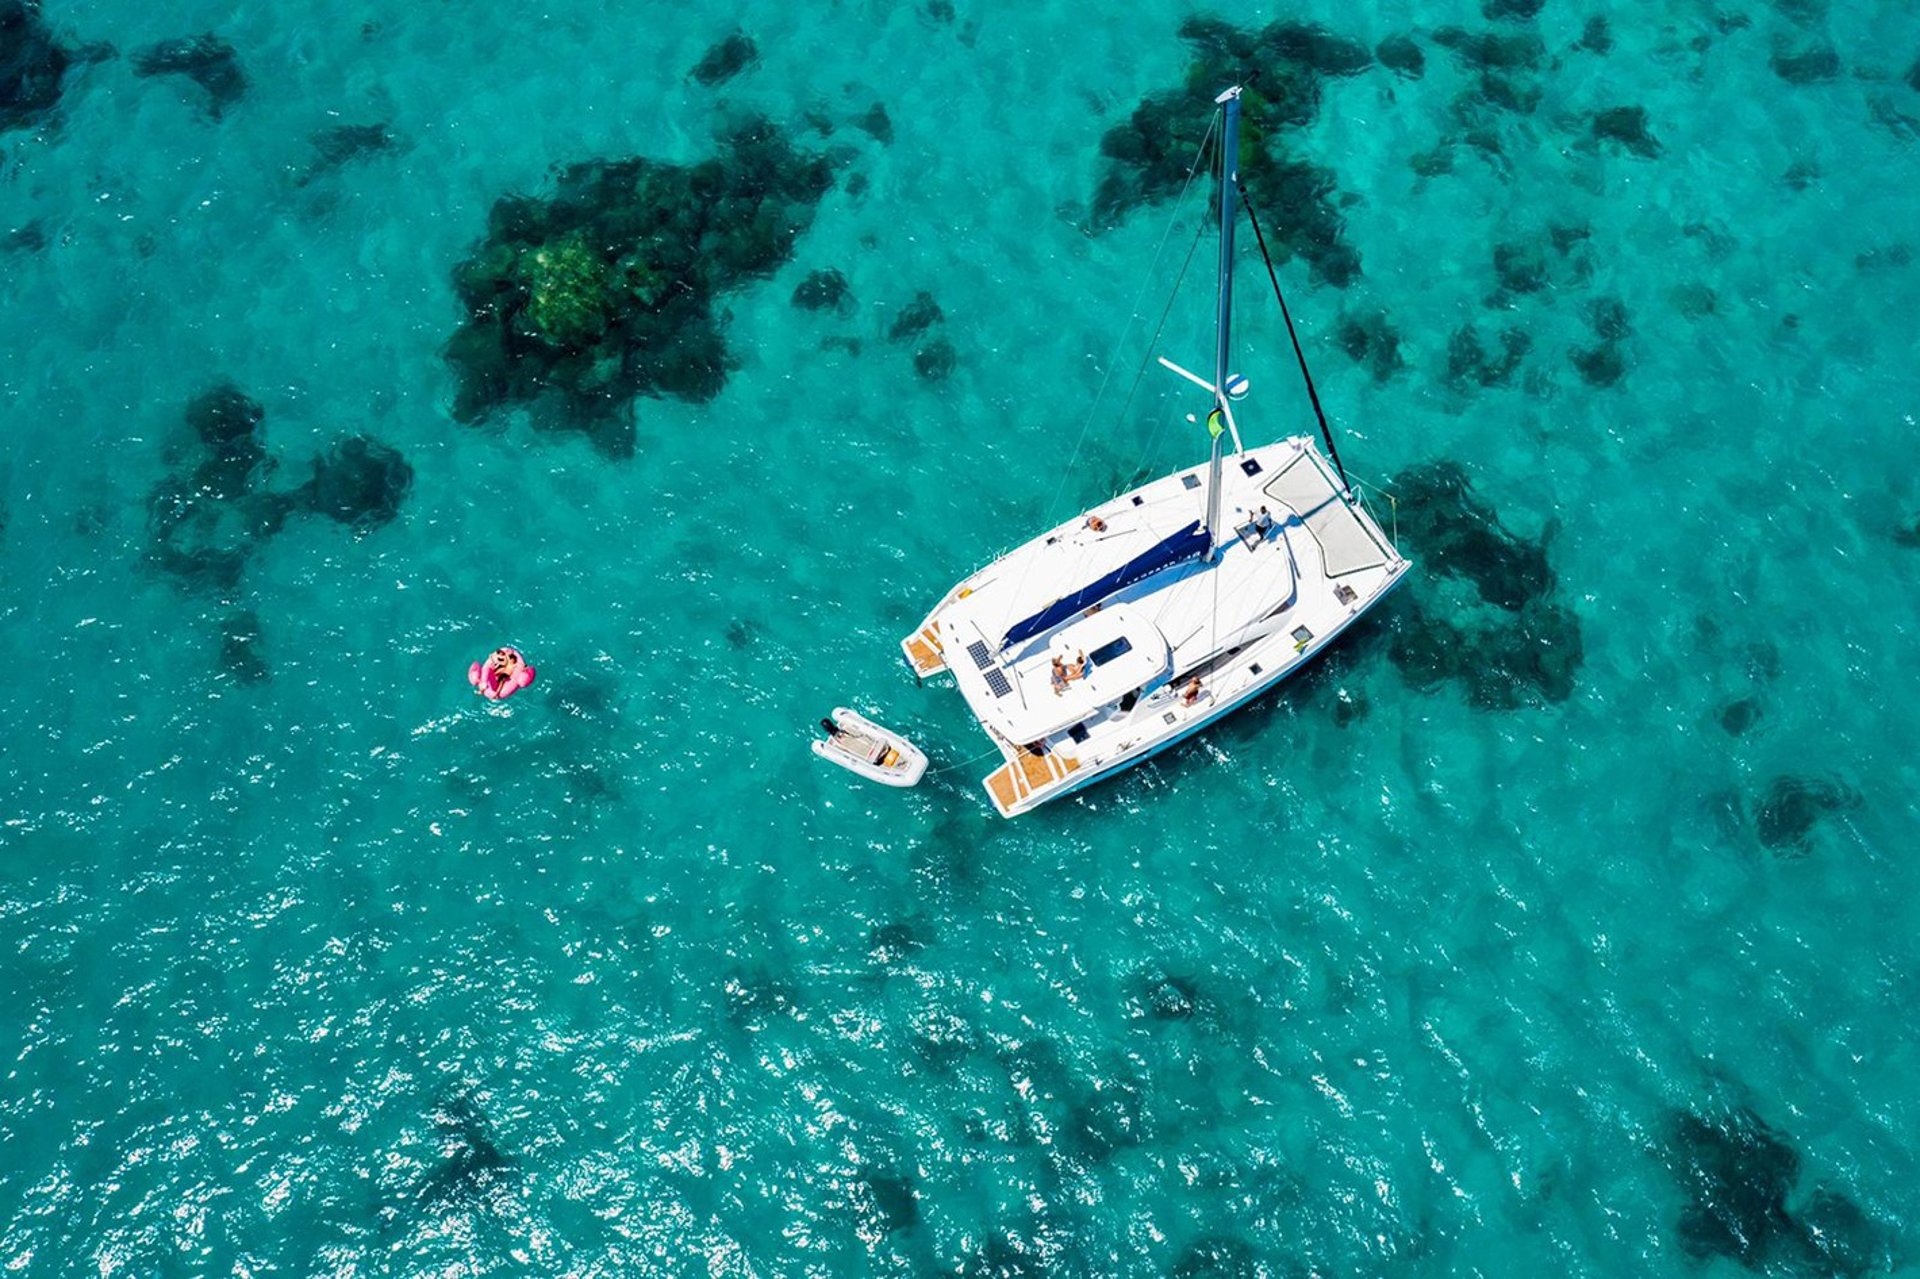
1216	424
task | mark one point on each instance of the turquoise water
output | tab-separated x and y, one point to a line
315	965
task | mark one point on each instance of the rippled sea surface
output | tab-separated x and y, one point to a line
1561	921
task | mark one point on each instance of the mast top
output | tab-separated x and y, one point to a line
1227	95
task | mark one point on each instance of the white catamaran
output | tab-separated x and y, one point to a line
1133	625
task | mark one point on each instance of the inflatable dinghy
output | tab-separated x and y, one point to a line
861	746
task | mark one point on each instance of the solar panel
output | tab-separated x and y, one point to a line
978	652
997	681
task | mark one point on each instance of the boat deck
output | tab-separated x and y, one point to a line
1026	775
1237	624
923	651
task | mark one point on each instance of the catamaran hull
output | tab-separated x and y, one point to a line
1147	752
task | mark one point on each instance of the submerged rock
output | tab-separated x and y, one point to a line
606	290
1597	35
1740	715
28	237
1399	54
1810	65
826	290
1493	50
240	648
217	505
1737	1173
1793	806
359	482
894	943
1602	365
1370	341
32	65
1694	299
726	59
207	60
227	423
1883	111
1566	238
935	361
1609	318
1521	267
1163	997
1516	646
1469	362
1738	1176
471	1161
915	318
344	143
1314	47
876	124
1628	127
895	1199
1147	158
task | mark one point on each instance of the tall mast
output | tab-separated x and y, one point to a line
1229	185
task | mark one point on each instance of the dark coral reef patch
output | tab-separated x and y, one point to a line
1628	128
605	290
218	504
1370	341
207	60
824	290
1399	54
360	482
1483	610
725	59
1147	158
1469	363
471	1163
342	144
1596	36
33	65
1809	65
1604	363
1507	66
1793	806
1738	1176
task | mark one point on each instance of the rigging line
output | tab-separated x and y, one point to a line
1153	441
1066	474
965	763
1326	432
1112	360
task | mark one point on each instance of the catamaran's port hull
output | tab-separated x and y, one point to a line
1140	755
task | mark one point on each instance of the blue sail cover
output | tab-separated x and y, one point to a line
1189	543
